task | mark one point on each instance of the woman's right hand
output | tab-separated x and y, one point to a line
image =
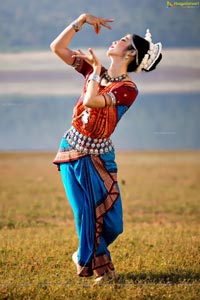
60	45
96	22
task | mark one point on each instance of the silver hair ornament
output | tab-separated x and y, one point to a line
152	55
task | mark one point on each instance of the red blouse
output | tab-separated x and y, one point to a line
102	121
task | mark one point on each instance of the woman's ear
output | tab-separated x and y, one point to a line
130	54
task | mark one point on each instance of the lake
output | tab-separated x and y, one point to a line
155	121
38	91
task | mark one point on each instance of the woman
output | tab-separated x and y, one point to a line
86	157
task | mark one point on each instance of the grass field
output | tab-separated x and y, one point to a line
157	256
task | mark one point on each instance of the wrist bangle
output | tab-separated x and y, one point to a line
94	77
76	25
113	99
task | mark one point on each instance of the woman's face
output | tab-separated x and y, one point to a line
119	48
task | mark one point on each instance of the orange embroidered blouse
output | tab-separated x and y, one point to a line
102	121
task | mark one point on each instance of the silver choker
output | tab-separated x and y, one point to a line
114	79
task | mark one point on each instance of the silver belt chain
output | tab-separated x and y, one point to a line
88	145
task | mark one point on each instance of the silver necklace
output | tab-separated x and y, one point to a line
114	79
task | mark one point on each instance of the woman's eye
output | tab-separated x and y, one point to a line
123	40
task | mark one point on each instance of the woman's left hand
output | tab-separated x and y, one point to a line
90	58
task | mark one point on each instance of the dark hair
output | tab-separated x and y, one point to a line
142	47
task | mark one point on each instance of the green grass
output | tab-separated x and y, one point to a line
157	256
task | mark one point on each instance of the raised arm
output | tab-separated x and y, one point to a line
60	45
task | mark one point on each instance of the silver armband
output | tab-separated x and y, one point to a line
113	98
76	25
94	77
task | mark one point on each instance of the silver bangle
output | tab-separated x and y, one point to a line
113	98
76	25
94	77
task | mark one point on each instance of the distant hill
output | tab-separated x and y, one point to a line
33	25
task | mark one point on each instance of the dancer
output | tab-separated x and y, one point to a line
86	157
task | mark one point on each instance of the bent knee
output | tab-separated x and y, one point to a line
116	230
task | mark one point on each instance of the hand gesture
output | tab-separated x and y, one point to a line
90	58
97	22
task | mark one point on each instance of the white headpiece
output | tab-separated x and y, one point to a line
152	54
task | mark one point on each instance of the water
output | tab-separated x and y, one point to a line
155	121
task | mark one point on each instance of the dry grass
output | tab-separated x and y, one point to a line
157	256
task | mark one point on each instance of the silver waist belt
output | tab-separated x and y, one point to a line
87	145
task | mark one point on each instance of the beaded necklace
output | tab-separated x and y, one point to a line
114	79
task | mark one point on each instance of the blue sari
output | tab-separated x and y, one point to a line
92	190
